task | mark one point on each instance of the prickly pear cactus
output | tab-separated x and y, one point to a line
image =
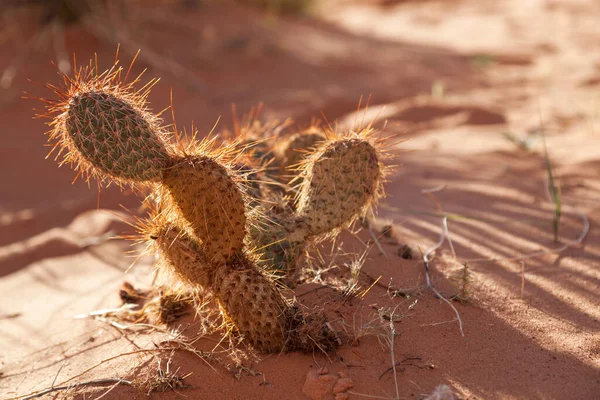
205	193
106	130
335	180
247	297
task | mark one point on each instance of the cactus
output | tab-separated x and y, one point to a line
205	193
107	132
248	298
108	128
336	183
206	228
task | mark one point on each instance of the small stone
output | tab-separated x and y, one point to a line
318	386
342	385
327	378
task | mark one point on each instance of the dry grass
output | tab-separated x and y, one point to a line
165	379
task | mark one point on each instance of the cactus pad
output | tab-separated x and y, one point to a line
247	298
101	126
339	182
115	137
210	200
182	254
255	305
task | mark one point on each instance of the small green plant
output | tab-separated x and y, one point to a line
554	191
438	90
207	225
483	61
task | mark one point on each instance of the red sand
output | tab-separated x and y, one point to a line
503	66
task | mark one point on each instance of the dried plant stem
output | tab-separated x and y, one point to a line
374	236
457	217
392	335
445	236
369	396
522	278
95	382
447	232
427	260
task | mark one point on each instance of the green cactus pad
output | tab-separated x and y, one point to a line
117	138
339	182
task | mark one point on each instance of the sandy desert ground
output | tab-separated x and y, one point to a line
467	86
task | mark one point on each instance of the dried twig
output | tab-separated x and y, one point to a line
522	278
458	217
95	382
374	236
404	362
427	260
369	396
567	244
392	335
